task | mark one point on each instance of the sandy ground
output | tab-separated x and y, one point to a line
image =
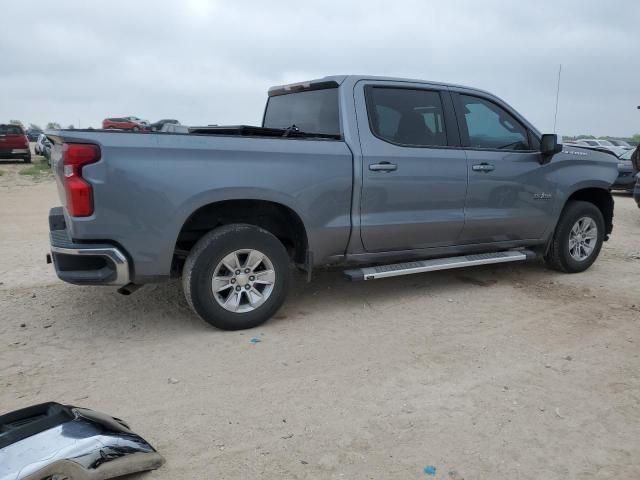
504	372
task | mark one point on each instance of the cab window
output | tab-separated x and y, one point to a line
406	117
492	127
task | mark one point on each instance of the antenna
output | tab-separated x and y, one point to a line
555	118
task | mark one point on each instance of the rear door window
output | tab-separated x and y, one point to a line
407	117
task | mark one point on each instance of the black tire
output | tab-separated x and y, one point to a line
558	256
27	159
207	254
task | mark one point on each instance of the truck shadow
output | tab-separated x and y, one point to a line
330	286
161	309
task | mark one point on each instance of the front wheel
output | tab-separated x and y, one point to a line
577	239
236	276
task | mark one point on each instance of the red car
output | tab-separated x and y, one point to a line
126	123
14	143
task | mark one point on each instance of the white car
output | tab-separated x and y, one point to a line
41	144
622	144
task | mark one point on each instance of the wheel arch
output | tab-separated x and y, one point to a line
601	198
276	217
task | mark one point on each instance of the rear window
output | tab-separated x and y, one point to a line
314	111
10	130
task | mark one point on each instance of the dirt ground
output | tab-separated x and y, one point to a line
499	372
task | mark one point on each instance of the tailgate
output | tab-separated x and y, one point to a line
10	140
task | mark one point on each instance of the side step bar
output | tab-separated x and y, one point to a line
421	266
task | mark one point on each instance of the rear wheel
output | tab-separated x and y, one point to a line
236	276
27	159
577	239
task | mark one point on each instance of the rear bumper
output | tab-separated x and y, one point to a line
60	441
85	263
14	152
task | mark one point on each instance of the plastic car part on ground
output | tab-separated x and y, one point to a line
57	441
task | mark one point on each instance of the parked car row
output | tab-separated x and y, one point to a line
136	124
15	139
619	147
627	172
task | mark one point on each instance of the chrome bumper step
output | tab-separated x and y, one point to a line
421	266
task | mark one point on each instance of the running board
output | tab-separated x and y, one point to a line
421	266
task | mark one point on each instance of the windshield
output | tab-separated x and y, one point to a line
313	111
626	155
606	143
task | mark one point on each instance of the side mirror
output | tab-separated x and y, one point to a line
549	146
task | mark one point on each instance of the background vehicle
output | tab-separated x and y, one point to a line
157	126
344	170
38	147
626	173
126	123
175	128
43	147
622	144
14	143
592	142
32	134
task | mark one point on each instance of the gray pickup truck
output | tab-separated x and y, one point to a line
384	176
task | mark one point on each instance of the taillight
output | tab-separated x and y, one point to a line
26	141
79	192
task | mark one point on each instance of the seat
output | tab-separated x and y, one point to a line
413	131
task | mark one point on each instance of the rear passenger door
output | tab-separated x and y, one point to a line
414	180
509	196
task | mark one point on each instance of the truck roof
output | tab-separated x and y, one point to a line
338	80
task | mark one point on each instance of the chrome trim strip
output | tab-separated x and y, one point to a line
112	253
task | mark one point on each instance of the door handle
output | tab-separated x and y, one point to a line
383	167
483	167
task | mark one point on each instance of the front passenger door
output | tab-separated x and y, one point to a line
510	195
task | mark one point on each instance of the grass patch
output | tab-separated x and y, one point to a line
1	172
38	168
